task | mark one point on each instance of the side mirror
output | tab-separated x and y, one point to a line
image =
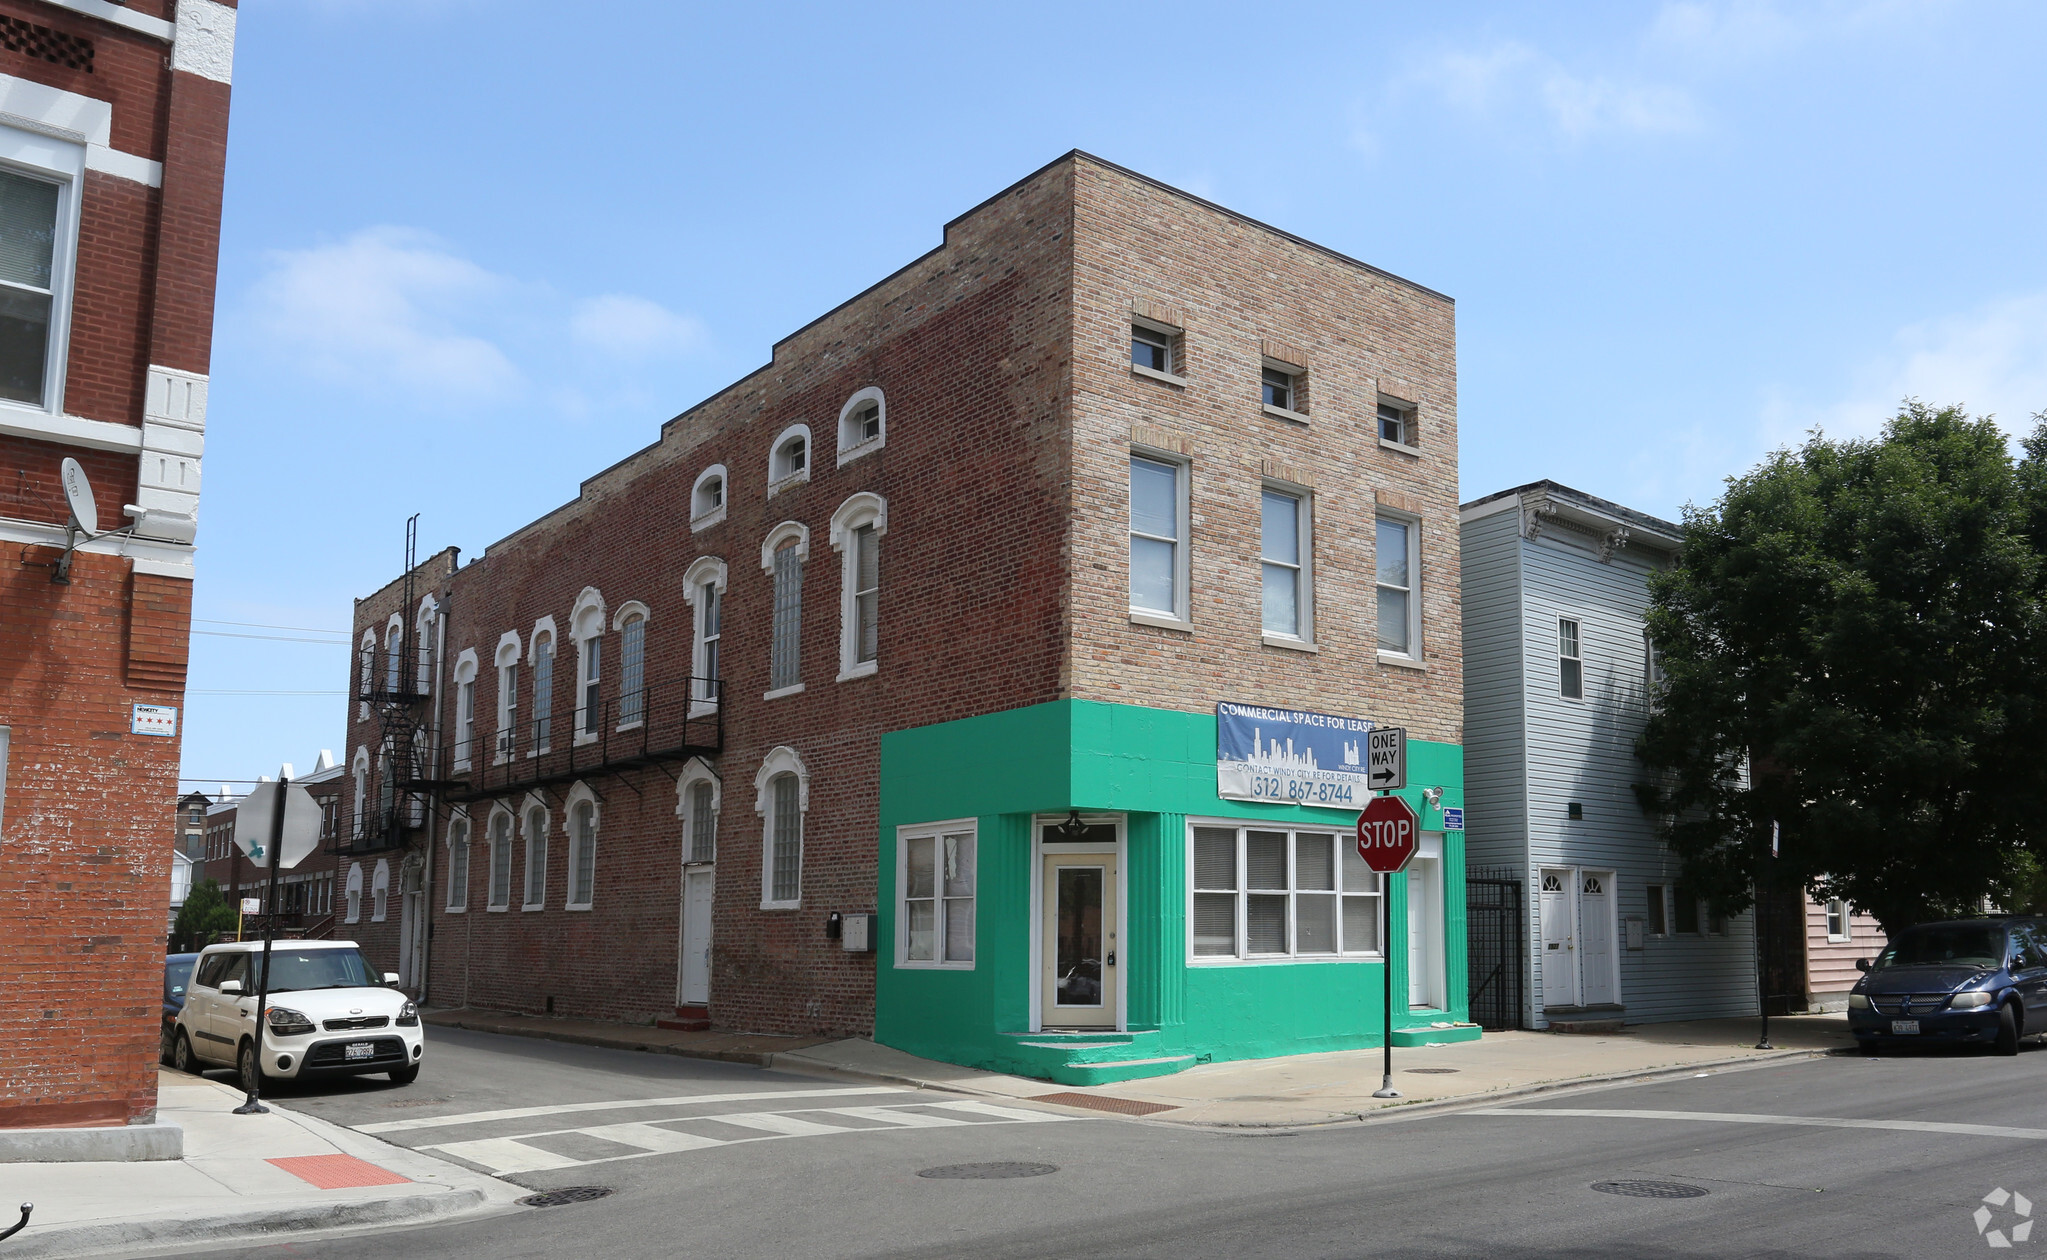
230	986
391	978
1862	964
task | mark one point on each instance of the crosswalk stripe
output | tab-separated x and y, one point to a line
889	1115
999	1113
506	1155
651	1138
564	1109
776	1123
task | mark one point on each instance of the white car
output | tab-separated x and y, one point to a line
329	1015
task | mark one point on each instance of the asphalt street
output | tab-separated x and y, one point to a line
1828	1157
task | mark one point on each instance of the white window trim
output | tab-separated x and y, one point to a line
1181	618
769	545
1557	650
848	452
703	571
702	521
353	894
62	162
1847	934
544	626
524	845
1304	537
626	611
466	667
499	810
1417	654
1242	959
579	795
423	624
459	822
778	484
780	760
366	671
934	831
864	508
506	658
380	891
696	770
586	622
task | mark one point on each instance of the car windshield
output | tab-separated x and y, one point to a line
313	969
1953	945
176	975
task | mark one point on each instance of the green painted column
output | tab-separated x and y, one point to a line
1156	881
1003	918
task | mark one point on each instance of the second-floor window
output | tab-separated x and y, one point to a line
709	633
30	285
632	668
589	700
536	859
465	719
784	666
863	571
1399	628
500	861
1570	660
703	824
508	707
1283	560
1158	560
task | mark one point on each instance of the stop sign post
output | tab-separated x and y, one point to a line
1388	834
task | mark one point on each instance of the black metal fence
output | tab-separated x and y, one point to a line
1495	917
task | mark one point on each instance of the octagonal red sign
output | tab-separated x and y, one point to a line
1388	834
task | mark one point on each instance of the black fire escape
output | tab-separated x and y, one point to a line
393	682
654	724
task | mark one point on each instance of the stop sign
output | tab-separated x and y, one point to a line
1388	834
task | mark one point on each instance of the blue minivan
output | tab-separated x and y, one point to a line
1962	982
177	973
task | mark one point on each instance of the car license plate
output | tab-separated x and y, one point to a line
368	1049
1899	1027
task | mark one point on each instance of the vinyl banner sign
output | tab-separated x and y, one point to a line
1290	756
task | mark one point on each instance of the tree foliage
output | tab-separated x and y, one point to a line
205	914
1854	647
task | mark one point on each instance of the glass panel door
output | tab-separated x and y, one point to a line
1079	941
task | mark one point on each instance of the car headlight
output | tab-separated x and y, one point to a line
408	1016
1967	1001
1858	1001
285	1022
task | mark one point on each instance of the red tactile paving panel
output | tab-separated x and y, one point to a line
338	1172
1100	1102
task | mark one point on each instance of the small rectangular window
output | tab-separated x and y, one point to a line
938	898
1283	561
1838	930
784	667
1277	388
1396	424
1151	349
1157	550
1570	661
1395	546
1659	914
1687	912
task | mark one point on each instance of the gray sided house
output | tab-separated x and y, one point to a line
1558	680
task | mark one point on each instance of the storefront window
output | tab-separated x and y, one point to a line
1263	892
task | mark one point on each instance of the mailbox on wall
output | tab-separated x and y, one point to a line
856	933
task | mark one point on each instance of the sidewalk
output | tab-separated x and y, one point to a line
758	1049
1311	1089
242	1176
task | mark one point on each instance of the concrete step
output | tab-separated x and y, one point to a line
687	1019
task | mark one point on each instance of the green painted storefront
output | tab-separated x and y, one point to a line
1152	770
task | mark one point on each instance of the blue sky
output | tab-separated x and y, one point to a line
474	252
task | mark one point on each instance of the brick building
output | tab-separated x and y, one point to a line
113	133
924	633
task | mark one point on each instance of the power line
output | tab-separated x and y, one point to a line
263	625
275	638
197	692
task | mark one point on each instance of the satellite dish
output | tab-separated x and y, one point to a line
78	493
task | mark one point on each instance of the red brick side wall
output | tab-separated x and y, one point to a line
32	486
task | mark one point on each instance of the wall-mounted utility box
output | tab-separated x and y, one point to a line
856	935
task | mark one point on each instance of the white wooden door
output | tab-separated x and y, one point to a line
410	920
1559	943
1595	938
693	973
1425	925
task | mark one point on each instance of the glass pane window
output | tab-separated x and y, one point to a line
938	897
703	825
508	708
583	855
710	612
1154	536
866	594
632	676
1295	893
1570	660
1393	426
28	246
786	643
543	690
592	672
500	861
1659	911
536	859
1149	349
458	867
1280	555
1394	543
785	876
1277	388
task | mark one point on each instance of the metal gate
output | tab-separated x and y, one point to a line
1495	927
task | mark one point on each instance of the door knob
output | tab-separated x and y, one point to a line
1112	958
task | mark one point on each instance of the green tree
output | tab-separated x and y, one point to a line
204	914
1854	648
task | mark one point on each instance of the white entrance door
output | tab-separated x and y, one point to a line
1595	938
411	921
1559	941
1425	925
693	972
1079	943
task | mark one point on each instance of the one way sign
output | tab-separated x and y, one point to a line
1386	760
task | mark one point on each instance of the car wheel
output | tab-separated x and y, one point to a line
247	1068
2007	1030
166	1043
405	1075
181	1054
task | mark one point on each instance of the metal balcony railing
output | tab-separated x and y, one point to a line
657	723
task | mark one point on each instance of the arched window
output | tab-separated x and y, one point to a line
359	772
586	626
465	707
366	657
354	893
631	624
423	654
696	803
536	857
781	798
508	697
543	686
789	458
380	891
857	528
500	859
707	498
394	652
863	425
458	865
782	556
582	814
387	794
703	585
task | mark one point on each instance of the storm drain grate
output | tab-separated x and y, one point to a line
987	1172
1650	1189
567	1195
1432	1071
1102	1102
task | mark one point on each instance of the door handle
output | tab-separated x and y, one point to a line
1112	958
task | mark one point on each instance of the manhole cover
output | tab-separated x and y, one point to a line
1433	1071
987	1172
572	1194
1650	1189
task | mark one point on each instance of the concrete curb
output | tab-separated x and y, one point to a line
114	1144
82	1240
752	1058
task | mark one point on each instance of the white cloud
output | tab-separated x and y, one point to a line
1992	360
628	327
1741	31
1513	79
385	306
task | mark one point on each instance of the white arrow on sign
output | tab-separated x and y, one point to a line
1386	758
254	814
